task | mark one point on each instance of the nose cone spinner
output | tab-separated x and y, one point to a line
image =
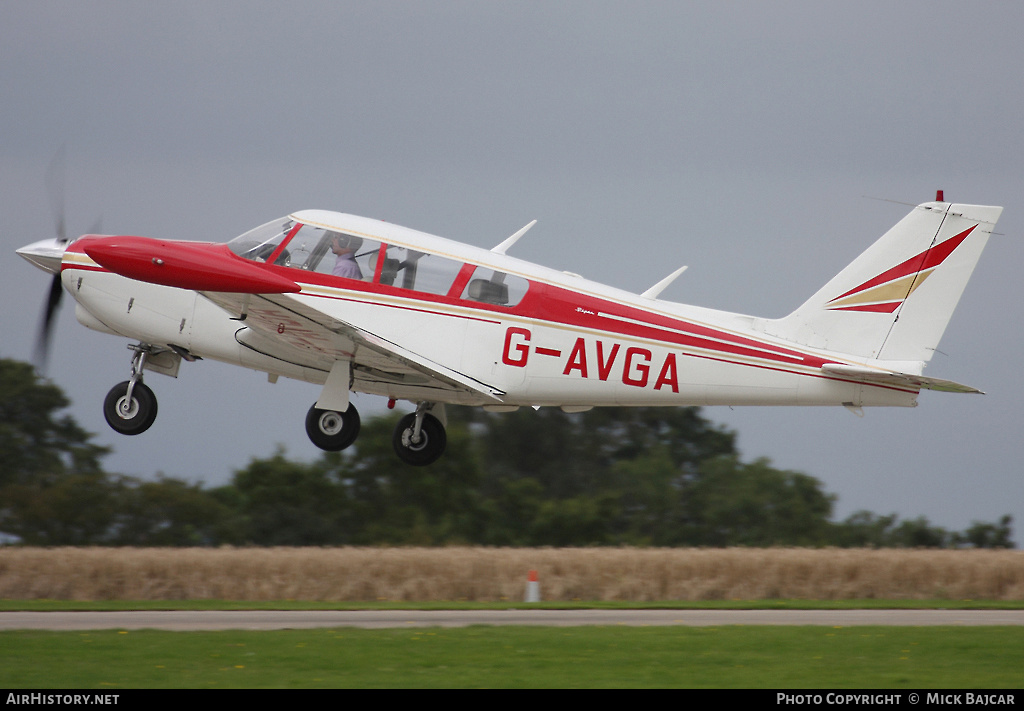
45	254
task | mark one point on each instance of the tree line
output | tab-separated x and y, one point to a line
609	476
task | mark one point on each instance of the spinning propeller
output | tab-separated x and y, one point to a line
47	255
42	350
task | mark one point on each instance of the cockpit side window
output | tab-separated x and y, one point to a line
317	249
418	271
345	255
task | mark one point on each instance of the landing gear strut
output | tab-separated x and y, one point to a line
419	438
130	407
332	430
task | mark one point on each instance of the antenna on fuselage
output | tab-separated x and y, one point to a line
503	247
655	290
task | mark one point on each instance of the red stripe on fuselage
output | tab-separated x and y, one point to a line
562	306
558	305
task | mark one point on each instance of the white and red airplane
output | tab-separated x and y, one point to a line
356	304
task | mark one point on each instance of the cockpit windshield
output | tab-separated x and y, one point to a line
260	243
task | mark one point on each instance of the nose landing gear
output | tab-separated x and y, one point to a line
130	407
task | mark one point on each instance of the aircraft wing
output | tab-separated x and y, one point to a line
277	321
893	377
287	320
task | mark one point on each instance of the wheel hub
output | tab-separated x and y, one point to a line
415	445
331	423
127	409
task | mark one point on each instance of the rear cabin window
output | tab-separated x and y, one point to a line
493	287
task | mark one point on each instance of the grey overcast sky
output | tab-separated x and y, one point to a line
745	139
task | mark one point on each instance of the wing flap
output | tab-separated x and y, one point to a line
287	320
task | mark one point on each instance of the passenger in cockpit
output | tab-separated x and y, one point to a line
345	247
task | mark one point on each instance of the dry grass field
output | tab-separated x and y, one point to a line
495	574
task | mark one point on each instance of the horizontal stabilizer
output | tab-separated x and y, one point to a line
893	377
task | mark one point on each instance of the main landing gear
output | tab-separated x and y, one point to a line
419	438
130	407
331	430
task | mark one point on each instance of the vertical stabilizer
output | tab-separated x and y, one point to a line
894	301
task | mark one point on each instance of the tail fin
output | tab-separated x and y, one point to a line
894	301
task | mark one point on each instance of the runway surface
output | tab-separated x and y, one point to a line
285	619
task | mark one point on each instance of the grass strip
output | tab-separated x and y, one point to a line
518	657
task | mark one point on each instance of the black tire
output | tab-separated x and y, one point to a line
433	441
330	430
130	418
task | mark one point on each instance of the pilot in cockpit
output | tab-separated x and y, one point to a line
345	248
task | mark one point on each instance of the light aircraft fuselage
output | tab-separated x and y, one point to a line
356	304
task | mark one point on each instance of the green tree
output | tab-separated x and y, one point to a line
732	503
170	512
651	498
864	529
641	476
575	454
287	503
988	535
38	445
54	491
919	533
52	487
393	502
73	510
